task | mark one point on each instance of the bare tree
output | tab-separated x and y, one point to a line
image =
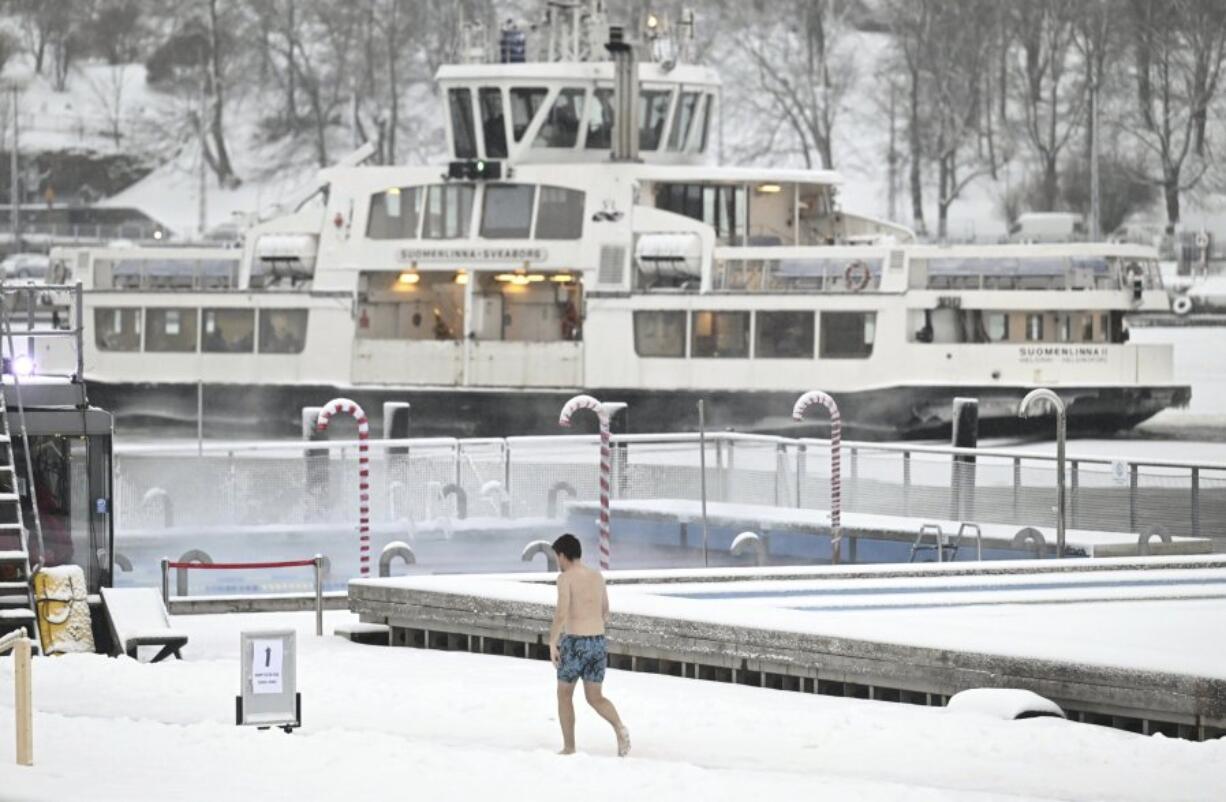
1050	91
796	49
215	90
108	95
912	22
954	91
1179	48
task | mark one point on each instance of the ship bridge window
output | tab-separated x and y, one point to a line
678	137
560	128
559	213
507	211
493	122
525	103
170	330
653	115
448	211
228	331
394	213
708	102
283	331
600	120
783	335
659	333
720	335
117	329
847	335
462	134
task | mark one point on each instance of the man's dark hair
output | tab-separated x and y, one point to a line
568	546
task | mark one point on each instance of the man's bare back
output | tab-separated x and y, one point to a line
582	601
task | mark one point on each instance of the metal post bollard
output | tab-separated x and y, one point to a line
166	582
319	595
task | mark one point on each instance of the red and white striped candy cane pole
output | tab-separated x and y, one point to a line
836	480
343	406
606	463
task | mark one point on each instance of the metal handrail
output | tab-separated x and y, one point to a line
681	438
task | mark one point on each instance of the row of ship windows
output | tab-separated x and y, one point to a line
211	331
445	211
578	117
754	335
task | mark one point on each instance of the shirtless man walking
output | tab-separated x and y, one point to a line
577	644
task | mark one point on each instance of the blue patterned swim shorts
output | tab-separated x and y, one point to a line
582	656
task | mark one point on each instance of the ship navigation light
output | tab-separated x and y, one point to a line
474	170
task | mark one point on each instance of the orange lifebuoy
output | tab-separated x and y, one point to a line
857	276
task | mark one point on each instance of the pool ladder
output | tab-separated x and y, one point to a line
945	547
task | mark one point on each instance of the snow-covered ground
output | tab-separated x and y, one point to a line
390	723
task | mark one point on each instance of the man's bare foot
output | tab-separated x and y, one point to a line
567	750
623	742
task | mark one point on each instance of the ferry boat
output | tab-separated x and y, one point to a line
578	239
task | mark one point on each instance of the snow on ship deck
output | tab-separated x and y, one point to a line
1118	641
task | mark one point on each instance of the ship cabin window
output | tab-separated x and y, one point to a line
814	215
559	213
659	333
170	330
507	211
560	128
600	120
448	211
493	122
117	329
680	134
847	335
527	307
948	325
463	137
723	208
771	210
653	116
410	305
228	331
166	273
719	335
525	103
783	335
394	214
820	274
1027	273
283	331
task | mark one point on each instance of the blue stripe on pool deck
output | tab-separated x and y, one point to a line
859	608
800	593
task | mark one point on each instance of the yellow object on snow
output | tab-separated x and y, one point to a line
63	610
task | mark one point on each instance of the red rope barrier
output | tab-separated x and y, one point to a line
229	566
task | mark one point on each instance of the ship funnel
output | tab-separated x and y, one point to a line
625	96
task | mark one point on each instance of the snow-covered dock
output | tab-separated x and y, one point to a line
1114	641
